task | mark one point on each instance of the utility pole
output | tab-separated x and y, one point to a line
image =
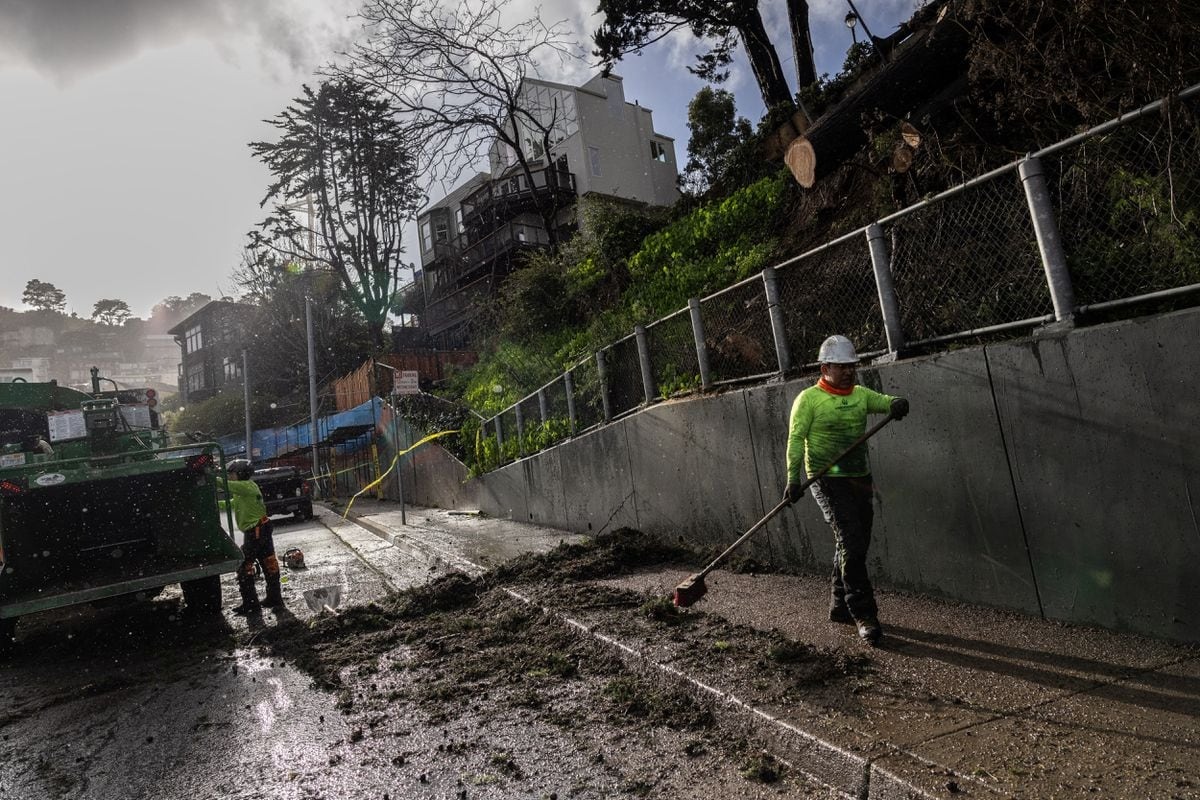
246	402
314	433
312	385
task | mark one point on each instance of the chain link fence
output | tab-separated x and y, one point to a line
737	332
558	407
625	390
673	358
1128	205
509	450
830	289
589	402
982	247
1105	219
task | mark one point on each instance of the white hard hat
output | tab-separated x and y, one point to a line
837	350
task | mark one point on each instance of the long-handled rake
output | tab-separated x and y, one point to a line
693	588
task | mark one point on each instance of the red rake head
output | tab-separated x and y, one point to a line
689	591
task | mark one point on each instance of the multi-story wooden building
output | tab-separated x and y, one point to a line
599	144
211	340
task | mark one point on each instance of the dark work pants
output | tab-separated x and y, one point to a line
846	504
258	545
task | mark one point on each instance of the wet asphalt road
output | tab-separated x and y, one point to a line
147	701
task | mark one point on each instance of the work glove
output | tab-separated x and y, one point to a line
899	408
792	493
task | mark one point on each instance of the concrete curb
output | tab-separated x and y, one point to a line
852	775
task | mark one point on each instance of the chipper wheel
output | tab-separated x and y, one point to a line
203	594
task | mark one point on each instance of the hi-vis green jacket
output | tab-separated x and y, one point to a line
824	424
247	502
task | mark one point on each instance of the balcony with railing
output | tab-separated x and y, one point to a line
457	308
410	299
503	199
484	255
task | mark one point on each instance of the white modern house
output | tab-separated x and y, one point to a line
599	145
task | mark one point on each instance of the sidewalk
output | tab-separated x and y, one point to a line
960	701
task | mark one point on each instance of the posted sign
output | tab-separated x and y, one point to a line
407	382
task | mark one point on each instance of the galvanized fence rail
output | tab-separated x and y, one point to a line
1106	219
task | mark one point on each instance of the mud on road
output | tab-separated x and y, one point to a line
476	687
462	687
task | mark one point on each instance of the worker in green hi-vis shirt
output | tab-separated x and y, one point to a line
825	420
250	515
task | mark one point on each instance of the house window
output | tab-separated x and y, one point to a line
192	339
657	151
441	233
426	236
594	160
195	378
533	148
458	223
232	368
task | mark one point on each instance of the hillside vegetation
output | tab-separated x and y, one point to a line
1035	72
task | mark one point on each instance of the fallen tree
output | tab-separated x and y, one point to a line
922	67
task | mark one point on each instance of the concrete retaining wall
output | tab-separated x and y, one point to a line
1058	475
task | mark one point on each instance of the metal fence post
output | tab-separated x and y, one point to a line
701	345
1045	226
569	386
643	348
542	404
889	306
771	286
602	379
520	431
499	438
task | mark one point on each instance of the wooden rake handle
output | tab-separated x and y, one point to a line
784	503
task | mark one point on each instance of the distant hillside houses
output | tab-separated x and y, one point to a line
39	353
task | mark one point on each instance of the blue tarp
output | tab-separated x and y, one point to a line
270	443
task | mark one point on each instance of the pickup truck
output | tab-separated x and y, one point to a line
285	491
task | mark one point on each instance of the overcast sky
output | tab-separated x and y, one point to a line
124	126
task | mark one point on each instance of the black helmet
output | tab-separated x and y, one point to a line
240	468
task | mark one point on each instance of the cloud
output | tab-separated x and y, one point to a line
69	39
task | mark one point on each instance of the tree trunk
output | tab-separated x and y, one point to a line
930	61
764	60
806	70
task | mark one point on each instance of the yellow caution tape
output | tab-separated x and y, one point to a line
392	466
351	468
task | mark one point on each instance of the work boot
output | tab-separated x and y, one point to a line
869	630
274	598
840	614
250	604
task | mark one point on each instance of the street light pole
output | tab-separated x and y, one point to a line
246	402
312	384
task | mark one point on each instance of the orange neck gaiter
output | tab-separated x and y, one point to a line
826	387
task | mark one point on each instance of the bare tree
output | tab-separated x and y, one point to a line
457	75
341	146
